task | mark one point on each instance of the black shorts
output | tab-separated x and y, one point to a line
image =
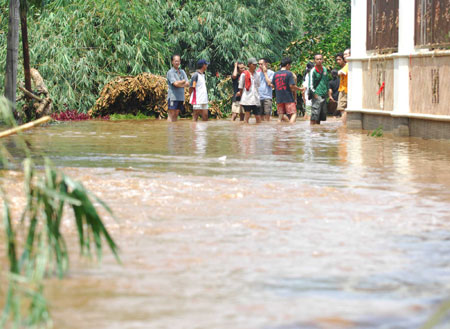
256	110
176	105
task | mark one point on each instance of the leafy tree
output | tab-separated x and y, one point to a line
78	46
322	16
225	31
327	31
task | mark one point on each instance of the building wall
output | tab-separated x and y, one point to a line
374	74
416	96
429	87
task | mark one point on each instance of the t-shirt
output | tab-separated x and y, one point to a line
282	80
235	82
200	93
344	79
319	83
251	96
175	93
334	86
265	91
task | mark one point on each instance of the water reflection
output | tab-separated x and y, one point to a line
225	225
199	137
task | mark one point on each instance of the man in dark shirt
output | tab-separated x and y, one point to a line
333	92
236	108
285	91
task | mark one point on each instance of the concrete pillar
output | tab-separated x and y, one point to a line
406	27
358	52
401	63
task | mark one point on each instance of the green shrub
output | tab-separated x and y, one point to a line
138	116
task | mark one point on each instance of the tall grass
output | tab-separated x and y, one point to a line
43	250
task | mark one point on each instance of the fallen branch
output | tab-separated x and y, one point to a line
38	82
26	126
30	95
43	105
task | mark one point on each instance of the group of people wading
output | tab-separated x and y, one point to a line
253	90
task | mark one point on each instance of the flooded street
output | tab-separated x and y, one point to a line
222	225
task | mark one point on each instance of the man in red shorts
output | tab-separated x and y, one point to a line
285	91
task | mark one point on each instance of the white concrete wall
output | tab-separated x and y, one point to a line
402	62
358	52
401	58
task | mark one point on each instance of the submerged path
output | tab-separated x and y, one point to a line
274	226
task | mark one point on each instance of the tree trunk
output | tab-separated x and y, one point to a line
12	51
26	53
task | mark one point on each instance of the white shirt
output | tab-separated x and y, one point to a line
200	93
251	96
306	84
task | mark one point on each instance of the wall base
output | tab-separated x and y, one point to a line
399	126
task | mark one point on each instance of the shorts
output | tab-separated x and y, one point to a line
331	107
237	108
196	107
176	105
342	101
319	109
286	108
308	110
266	107
256	110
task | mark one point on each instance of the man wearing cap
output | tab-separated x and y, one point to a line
198	91
248	90
177	81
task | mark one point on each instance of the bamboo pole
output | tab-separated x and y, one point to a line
26	126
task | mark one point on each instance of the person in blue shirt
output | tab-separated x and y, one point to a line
265	89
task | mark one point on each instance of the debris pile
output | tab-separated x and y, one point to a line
145	93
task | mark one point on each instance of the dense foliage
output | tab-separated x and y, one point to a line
327	31
78	46
225	31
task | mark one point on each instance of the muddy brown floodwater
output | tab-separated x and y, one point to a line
273	226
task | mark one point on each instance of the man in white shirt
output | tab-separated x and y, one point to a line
248	90
198	92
